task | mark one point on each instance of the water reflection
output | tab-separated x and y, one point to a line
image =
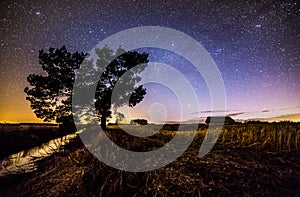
25	161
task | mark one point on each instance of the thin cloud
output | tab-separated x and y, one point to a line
290	116
298	106
281	109
236	114
212	111
287	113
194	113
285	117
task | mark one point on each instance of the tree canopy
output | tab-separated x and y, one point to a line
50	95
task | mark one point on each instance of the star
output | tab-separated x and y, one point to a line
254	44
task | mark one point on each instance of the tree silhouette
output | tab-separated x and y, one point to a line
109	78
50	96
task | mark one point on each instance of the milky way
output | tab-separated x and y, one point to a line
255	44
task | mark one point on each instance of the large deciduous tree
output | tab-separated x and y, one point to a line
111	76
50	95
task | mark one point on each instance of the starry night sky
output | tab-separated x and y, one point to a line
255	44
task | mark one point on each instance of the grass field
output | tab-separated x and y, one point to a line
247	160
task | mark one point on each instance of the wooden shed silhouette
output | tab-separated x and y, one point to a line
219	119
139	122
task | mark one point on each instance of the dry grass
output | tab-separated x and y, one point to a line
283	136
248	160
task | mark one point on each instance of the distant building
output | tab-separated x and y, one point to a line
219	119
138	122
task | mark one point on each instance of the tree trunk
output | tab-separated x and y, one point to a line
103	122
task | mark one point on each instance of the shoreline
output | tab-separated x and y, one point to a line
15	139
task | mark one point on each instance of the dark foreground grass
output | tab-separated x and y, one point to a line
16	139
253	166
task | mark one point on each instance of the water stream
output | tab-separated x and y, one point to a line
25	161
